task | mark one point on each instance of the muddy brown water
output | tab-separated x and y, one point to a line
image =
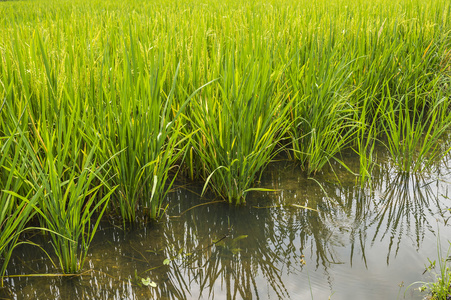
366	243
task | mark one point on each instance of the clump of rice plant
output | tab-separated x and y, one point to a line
414	132
237	129
322	122
73	193
59	160
15	210
139	124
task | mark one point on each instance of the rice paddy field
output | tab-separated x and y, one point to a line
127	114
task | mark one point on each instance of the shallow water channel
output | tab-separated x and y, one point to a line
359	244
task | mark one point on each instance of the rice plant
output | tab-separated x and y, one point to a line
323	124
238	129
141	125
15	211
72	187
414	133
109	99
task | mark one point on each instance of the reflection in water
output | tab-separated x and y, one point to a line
400	206
404	209
217	251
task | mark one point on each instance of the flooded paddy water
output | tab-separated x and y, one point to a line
366	243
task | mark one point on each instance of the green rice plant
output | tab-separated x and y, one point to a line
13	223
366	139
323	123
70	201
365	149
14	213
71	194
237	128
414	132
142	125
56	162
14	217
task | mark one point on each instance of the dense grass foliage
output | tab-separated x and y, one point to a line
238	128
17	200
104	102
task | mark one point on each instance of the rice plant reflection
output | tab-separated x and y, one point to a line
218	251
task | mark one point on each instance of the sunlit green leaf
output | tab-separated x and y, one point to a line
148	282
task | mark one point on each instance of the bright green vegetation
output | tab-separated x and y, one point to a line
103	103
14	213
440	287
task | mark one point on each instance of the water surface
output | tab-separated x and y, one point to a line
368	243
